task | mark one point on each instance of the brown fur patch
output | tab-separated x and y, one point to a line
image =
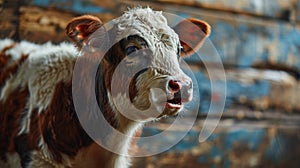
12	69
10	114
60	127
4	58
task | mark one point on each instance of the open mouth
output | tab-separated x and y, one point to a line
176	102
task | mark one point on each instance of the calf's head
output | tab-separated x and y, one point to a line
142	66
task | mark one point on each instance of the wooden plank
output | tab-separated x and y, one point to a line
276	9
107	9
42	25
77	6
8	23
282	89
258	89
9	19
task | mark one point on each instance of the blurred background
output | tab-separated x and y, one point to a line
259	44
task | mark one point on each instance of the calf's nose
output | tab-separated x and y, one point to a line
185	88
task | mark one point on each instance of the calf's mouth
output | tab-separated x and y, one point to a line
175	102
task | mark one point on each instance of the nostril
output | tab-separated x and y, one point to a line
174	85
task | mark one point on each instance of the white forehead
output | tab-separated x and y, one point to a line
150	25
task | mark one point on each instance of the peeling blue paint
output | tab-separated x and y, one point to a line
79	6
246	55
288	43
202	159
215	152
223	34
234	90
250	138
235	140
252	91
188	142
285	41
247	44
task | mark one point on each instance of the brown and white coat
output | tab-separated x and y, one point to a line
39	124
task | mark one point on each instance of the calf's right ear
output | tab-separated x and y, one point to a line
80	28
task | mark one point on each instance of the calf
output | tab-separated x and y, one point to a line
39	124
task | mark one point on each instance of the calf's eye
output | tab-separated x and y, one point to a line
131	49
183	50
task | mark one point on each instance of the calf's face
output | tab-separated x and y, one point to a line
142	66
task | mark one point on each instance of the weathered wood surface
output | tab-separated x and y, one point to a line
258	89
106	9
7	23
275	9
246	139
244	41
233	144
9	19
42	25
21	20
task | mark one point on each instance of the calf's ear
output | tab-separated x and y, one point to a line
80	28
192	33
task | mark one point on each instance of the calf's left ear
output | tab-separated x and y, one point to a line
192	33
80	29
